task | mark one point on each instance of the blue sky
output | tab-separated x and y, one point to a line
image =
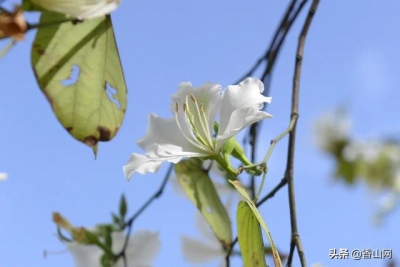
351	57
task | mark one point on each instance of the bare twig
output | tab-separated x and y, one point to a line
295	237
270	57
272	193
156	195
229	252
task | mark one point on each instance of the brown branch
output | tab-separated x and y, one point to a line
295	237
271	194
270	57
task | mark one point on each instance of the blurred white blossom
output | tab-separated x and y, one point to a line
366	150
332	127
142	248
389	201
3	176
207	249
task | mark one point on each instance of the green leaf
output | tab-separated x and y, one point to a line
27	5
201	191
122	207
115	219
79	71
250	237
239	187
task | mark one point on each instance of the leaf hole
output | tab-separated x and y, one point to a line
111	91
73	77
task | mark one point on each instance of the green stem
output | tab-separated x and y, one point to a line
273	144
269	152
227	167
260	188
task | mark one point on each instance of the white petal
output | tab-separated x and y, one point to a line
85	255
87	9
3	176
241	106
239	120
165	132
162	142
142	247
198	252
151	163
206	231
209	94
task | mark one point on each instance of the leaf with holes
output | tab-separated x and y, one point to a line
79	71
201	191
249	236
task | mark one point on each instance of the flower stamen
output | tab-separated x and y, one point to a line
193	141
192	123
206	128
203	121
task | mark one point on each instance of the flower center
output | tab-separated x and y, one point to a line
199	133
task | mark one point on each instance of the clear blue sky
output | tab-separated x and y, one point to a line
352	56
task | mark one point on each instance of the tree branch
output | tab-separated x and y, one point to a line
270	57
271	194
295	237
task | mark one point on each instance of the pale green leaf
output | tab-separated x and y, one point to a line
201	191
250	237
79	71
239	187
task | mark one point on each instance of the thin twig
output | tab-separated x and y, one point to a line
272	193
229	252
295	237
156	195
270	57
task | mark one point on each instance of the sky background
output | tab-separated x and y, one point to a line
352	57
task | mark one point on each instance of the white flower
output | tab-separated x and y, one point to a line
198	251
190	132
3	176
80	9
142	248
